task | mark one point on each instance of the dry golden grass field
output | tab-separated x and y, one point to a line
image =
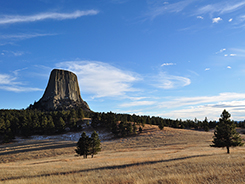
155	156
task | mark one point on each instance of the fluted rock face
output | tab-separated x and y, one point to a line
62	92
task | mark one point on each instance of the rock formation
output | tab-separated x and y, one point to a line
61	93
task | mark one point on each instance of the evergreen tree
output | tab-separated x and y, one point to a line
225	134
60	125
95	120
83	145
205	124
140	130
122	129
134	128
161	125
129	128
94	144
80	113
50	125
148	120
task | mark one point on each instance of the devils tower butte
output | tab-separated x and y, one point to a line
61	93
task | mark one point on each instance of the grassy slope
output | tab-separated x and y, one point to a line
167	156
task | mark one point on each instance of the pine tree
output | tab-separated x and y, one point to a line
83	145
129	128
205	124
225	134
80	113
134	128
60	125
140	130
161	125
94	144
95	120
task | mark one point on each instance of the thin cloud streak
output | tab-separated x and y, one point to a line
24	36
19	89
157	9
168	64
8	83
211	111
166	81
6	79
138	103
191	101
220	8
12	19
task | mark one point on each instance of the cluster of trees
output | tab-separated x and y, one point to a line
129	122
88	145
111	122
29	122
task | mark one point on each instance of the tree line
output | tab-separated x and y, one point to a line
30	122
125	124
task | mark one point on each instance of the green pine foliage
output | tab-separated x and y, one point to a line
94	144
88	145
34	122
225	134
83	145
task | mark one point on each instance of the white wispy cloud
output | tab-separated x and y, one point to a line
166	81
24	36
101	79
193	107
207	69
138	103
12	19
221	50
199	100
216	20
6	79
12	53
168	64
12	38
238	52
200	17
157	9
10	83
212	111
229	67
221	7
19	88
241	18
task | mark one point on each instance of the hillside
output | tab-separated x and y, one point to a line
154	156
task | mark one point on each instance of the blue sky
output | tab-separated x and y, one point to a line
175	59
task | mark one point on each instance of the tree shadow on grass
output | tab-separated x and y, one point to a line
46	146
105	168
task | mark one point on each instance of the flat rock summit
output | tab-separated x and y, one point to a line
61	93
